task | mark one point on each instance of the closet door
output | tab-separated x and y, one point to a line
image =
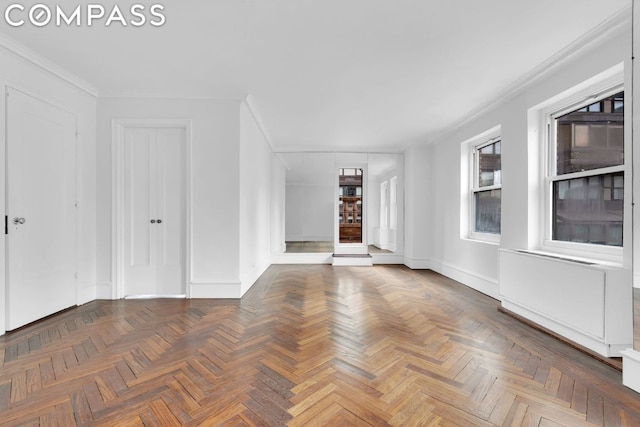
41	212
170	210
154	206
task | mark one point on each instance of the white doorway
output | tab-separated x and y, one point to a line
151	209
41	209
350	221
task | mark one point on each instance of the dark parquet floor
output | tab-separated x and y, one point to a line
307	345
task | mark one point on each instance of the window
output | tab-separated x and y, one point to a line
383	204
586	171
486	187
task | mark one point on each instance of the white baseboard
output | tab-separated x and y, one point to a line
215	290
352	261
318	238
388	259
104	290
252	277
486	285
592	343
293	258
417	263
631	369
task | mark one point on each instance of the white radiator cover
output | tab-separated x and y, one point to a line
589	304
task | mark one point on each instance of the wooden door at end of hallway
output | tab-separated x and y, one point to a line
41	209
154	211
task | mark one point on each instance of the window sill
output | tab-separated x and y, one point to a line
491	239
597	254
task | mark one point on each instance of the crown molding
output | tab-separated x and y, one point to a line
609	28
22	52
253	109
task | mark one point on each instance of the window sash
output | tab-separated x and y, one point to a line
488	216
476	189
476	164
552	131
552	176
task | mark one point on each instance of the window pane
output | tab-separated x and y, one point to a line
591	137
589	210
489	165
487	204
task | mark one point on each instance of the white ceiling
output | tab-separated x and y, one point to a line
344	75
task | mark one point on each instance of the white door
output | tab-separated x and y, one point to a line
154	211
41	212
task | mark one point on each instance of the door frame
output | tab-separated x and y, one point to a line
118	127
351	248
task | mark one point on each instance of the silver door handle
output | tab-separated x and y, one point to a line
17	221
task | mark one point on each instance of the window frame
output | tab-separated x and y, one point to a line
474	185
568	104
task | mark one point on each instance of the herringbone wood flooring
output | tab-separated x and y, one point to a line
308	345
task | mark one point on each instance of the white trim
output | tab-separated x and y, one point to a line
631	369
22	52
310	238
602	254
215	290
580	337
598	87
302	258
117	194
417	263
586	173
352	261
384	258
250	278
253	109
481	283
490	238
605	31
363	246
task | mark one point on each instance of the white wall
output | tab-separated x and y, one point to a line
434	198
278	204
255	200
373	208
215	199
372	201
309	212
419	207
34	80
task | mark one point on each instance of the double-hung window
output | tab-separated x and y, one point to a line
586	171
486	189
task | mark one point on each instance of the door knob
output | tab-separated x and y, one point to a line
17	221
153	221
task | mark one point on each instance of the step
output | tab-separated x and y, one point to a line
352	260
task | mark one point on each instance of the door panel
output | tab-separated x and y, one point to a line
140	274
170	202
41	165
154	196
